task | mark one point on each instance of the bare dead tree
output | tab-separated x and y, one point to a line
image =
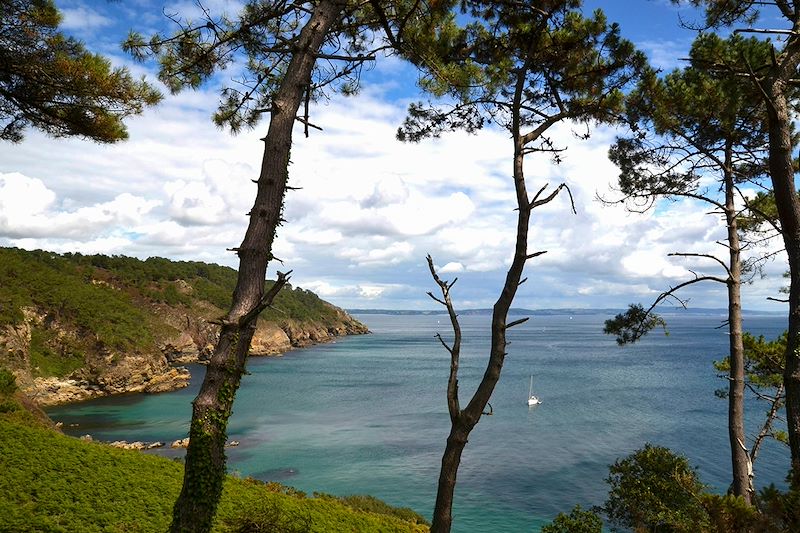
524	68
462	421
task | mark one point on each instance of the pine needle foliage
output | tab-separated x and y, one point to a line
49	80
259	43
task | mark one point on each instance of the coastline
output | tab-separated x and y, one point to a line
165	372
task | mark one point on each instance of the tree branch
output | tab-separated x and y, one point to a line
266	300
455	351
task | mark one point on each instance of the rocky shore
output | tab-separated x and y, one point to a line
139	445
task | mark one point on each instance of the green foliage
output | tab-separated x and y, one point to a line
633	324
260	41
731	513
8	383
760	216
46	361
371	504
269	517
764	360
684	123
50	81
86	304
526	64
655	490
58	484
577	521
50	282
300	305
781	510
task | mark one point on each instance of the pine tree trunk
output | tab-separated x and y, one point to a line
443	510
205	458
782	172
740	460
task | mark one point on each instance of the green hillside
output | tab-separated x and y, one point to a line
102	293
54	483
76	316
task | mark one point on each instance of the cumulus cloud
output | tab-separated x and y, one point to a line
82	18
451	267
369	210
29	209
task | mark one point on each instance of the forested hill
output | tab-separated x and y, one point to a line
74	326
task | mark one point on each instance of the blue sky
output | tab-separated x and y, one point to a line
370	208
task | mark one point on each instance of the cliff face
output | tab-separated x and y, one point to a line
105	372
58	355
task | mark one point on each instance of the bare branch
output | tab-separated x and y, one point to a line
766	428
758	30
517	322
455	351
446	347
705	256
437	299
266	300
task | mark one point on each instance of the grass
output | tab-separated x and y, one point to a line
53	483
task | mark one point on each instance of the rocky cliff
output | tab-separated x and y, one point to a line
78	327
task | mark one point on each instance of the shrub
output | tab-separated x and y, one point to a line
655	490
372	504
8	383
269	517
577	521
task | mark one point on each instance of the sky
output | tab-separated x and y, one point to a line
370	207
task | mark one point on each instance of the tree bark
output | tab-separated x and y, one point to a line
781	169
742	468
205	458
443	509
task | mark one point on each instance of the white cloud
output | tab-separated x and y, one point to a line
29	208
22	198
83	18
451	267
369	210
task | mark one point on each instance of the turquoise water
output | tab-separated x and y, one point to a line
367	414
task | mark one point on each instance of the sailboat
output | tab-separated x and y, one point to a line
532	400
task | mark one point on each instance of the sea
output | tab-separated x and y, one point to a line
368	414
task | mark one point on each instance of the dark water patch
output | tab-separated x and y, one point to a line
276	474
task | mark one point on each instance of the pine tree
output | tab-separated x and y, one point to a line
51	82
523	67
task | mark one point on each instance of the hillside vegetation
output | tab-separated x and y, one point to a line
76	323
54	483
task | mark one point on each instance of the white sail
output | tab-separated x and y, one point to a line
532	400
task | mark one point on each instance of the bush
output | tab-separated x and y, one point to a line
731	513
269	517
577	521
372	504
655	490
51	482
8	383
